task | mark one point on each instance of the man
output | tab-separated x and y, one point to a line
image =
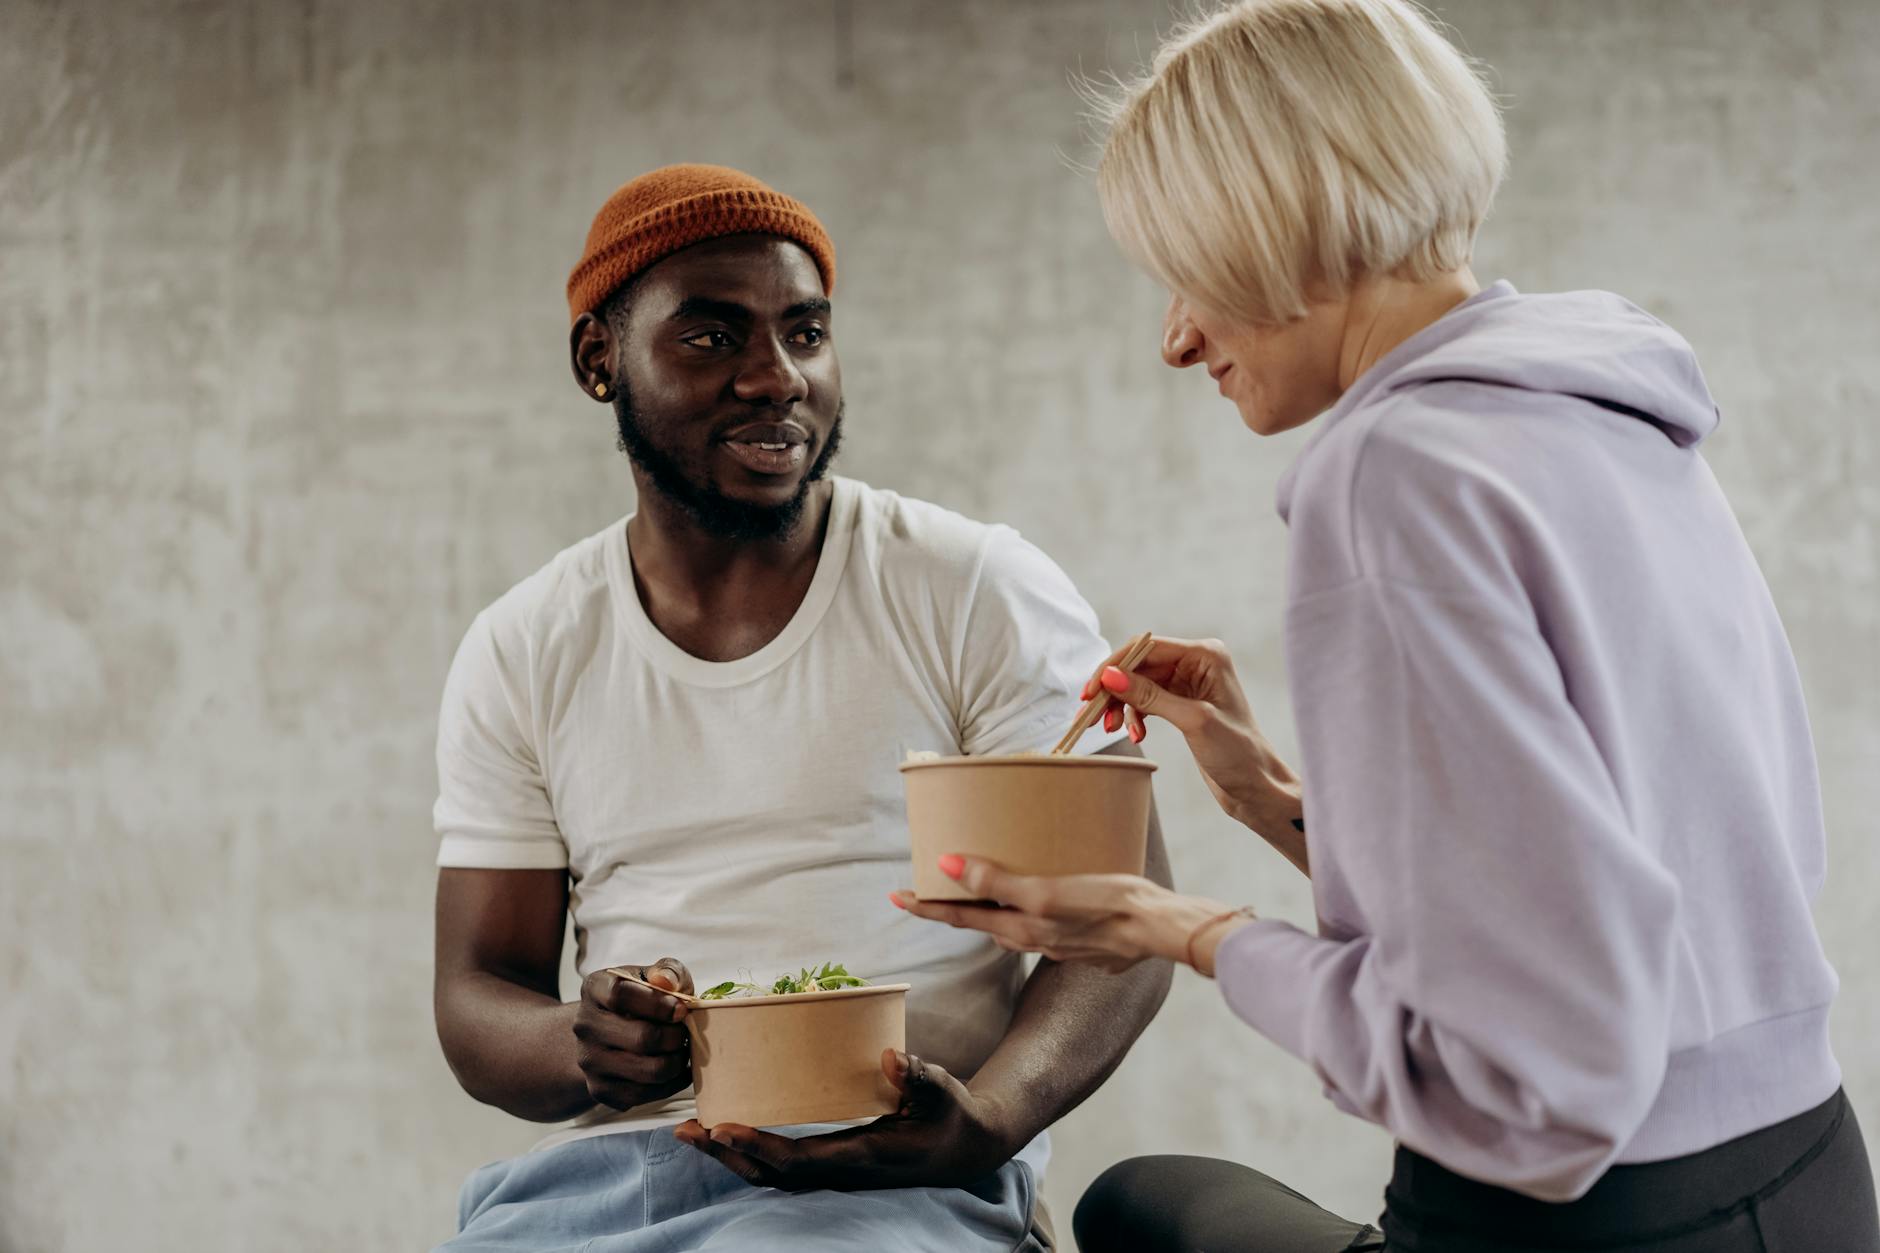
683	732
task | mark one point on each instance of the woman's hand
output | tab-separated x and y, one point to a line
1111	921
1192	685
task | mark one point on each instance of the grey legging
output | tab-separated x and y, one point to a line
1800	1186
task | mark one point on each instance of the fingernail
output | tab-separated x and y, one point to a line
896	898
1112	720
721	1137
1135	735
1115	679
1089	690
952	865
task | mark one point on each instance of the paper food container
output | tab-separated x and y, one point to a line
770	1061
1030	814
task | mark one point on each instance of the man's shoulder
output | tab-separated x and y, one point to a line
906	529
568	588
930	536
928	550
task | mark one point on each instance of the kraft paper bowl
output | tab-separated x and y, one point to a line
770	1061
1031	814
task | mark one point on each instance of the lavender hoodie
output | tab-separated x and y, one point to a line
1561	799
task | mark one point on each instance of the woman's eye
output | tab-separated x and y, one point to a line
708	339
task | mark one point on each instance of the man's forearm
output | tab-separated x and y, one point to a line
1073	1024
512	1047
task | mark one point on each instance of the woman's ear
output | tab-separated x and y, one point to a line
591	353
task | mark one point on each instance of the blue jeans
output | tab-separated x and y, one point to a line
644	1192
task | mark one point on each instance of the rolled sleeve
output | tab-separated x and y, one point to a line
493	809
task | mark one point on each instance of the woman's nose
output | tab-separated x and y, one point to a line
1181	341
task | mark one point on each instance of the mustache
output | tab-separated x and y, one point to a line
766	430
692	490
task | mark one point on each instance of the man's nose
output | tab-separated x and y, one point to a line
1182	342
769	376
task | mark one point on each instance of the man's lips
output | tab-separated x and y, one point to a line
767	433
769	448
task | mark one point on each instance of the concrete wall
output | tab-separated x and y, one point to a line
285	401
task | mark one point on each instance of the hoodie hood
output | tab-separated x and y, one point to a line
1589	344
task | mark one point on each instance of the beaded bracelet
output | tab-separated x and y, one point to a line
1245	911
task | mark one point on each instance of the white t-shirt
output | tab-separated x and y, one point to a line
747	817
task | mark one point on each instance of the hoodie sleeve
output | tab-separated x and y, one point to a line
1491	978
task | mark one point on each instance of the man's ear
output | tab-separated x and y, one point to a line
591	353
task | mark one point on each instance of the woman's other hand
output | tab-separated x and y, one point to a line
1191	684
1111	921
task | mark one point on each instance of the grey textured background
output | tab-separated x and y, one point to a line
285	401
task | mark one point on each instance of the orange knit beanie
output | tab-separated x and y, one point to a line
659	213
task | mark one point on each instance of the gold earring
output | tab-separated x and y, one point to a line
600	391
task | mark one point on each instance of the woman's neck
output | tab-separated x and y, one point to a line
1381	313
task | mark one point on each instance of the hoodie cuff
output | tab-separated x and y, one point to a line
1264	970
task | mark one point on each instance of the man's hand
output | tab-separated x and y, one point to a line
633	1043
942	1136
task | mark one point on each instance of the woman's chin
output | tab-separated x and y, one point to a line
1264	419
1257	418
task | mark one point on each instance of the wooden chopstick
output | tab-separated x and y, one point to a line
1132	655
685	997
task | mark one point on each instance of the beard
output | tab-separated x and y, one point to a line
715	513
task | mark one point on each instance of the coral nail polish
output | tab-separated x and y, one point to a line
1115	679
952	865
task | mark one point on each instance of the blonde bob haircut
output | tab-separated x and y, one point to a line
1278	151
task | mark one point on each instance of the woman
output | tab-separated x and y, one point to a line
1559	804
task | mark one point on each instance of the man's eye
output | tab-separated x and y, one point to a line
708	339
812	335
